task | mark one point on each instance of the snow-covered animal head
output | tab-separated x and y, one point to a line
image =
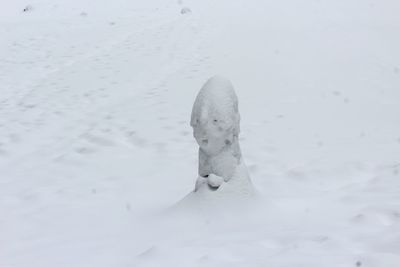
215	116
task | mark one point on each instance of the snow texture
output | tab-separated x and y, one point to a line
96	146
186	10
216	126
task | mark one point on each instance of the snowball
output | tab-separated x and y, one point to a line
215	181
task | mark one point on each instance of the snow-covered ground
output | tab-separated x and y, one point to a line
96	149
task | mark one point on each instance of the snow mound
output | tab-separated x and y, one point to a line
215	114
215	120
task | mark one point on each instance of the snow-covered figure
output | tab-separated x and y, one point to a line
216	125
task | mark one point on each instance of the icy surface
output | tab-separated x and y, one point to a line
96	147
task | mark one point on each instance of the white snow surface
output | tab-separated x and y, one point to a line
96	147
